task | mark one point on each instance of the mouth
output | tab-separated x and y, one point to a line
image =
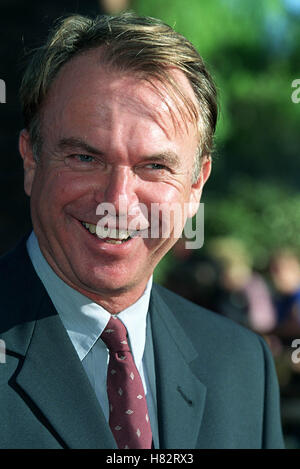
109	235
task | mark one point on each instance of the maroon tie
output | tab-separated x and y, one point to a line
128	416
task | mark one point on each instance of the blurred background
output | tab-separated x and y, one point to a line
249	266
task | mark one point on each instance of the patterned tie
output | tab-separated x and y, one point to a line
128	416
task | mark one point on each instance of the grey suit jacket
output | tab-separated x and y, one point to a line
215	380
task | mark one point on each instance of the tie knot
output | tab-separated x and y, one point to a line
115	336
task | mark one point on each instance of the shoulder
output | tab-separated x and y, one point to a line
218	332
15	270
20	288
14	259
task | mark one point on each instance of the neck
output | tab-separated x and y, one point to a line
114	301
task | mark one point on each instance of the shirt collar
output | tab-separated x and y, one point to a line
83	319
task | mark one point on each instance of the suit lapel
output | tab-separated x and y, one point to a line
56	384
180	395
53	378
50	377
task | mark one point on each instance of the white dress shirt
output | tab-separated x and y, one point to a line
85	321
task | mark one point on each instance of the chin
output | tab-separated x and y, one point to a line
110	285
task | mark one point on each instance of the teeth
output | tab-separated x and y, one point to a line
112	233
92	229
102	232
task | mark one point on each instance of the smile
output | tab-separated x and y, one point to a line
109	235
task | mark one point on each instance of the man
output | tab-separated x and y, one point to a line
119	118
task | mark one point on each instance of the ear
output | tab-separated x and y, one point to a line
29	163
197	187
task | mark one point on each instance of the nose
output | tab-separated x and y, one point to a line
120	190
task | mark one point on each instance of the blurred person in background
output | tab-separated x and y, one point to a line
223	280
285	274
243	295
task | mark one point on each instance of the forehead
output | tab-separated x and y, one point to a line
86	84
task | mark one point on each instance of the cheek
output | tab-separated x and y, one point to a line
52	190
173	202
166	212
68	182
163	192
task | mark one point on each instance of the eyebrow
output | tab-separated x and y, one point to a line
168	158
78	143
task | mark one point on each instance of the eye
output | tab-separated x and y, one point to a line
156	166
83	158
81	162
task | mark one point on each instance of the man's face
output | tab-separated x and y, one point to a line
108	138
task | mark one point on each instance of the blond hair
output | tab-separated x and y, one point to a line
143	45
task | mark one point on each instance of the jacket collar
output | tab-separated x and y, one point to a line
180	394
55	380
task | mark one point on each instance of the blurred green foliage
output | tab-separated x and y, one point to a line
252	48
264	216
